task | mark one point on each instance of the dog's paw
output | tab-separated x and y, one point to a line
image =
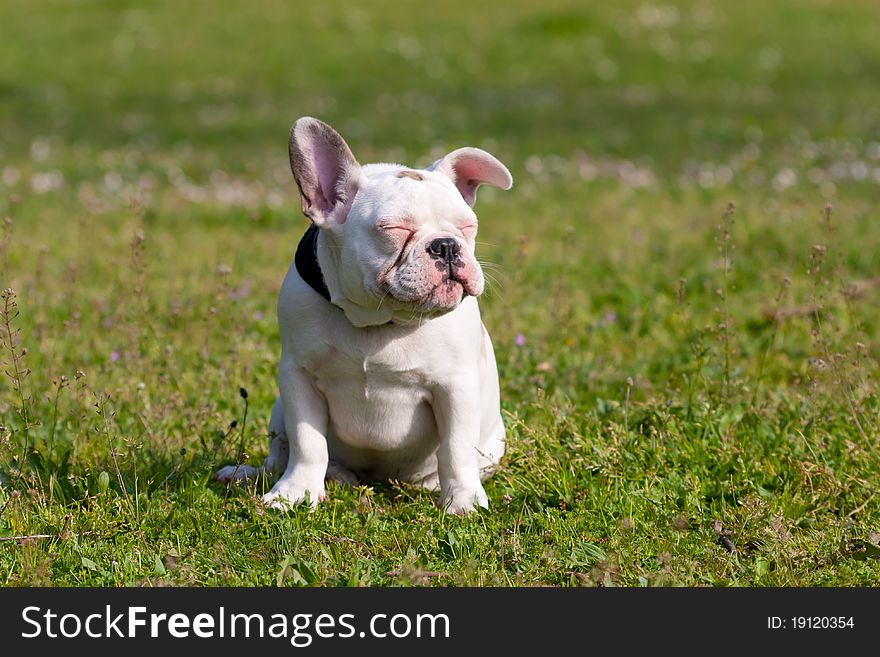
461	501
234	473
284	496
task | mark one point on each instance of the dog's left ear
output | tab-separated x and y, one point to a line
469	168
326	172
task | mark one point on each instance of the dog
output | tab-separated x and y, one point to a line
386	370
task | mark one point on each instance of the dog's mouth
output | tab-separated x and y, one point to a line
443	296
451	285
453	275
430	287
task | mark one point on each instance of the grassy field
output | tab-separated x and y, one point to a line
686	295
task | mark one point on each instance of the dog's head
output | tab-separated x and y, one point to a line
398	242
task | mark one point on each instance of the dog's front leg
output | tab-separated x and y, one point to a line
305	423
457	412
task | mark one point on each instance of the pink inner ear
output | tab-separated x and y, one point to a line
325	170
468	189
467	177
471	167
329	171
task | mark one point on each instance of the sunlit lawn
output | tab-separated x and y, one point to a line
689	386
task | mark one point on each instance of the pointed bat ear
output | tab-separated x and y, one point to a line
326	172
469	168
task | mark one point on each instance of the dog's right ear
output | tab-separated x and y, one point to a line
326	172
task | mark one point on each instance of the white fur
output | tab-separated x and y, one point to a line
416	400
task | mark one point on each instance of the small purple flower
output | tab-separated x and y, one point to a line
114	356
520	339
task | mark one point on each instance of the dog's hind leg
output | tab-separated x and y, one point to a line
337	472
279	450
279	447
274	463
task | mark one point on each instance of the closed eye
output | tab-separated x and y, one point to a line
391	227
396	238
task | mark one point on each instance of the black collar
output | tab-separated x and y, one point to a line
306	261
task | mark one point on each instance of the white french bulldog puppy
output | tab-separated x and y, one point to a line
387	371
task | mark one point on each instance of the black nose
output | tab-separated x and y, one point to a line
444	248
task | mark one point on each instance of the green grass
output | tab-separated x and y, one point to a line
653	405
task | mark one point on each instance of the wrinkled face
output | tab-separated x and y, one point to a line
408	244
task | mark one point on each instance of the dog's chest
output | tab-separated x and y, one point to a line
367	365
376	398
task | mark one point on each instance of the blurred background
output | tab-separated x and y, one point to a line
149	214
687	93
